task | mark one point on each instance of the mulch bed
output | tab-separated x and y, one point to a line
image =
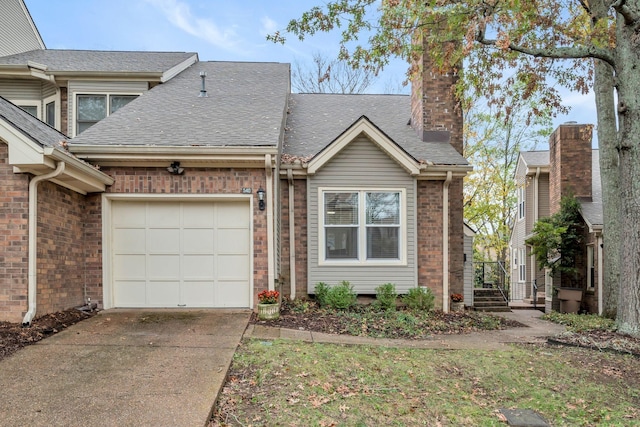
599	340
13	336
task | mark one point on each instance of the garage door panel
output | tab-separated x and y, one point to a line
232	267
198	241
233	215
191	254
198	293
131	214
233	294
130	240
198	267
164	215
198	215
233	241
163	293
130	266
131	293
164	266
163	240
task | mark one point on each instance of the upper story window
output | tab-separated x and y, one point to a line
362	226
90	109
522	194
50	114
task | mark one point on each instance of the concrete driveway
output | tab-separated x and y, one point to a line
123	368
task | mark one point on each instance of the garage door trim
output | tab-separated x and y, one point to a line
107	199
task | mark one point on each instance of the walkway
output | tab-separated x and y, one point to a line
537	331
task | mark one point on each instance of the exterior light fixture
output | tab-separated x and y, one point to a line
203	91
175	169
261	193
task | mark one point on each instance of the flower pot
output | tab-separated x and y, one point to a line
457	306
268	311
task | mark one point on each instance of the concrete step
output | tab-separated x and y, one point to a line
502	309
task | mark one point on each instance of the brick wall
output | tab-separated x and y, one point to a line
435	112
14	238
570	156
456	237
61	257
429	223
64	111
300	224
194	181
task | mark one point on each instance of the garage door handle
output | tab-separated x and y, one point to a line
182	305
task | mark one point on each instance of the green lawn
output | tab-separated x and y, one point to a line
293	383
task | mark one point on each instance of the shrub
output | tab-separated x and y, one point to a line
386	297
321	292
419	298
341	297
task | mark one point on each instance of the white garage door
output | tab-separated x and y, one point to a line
181	254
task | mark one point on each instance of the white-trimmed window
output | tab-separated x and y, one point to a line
90	109
362	226
522	266
31	107
591	268
522	194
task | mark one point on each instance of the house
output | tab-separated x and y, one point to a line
569	167
185	183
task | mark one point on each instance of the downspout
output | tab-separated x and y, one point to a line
33	239
270	243
534	268
292	235
600	273
445	242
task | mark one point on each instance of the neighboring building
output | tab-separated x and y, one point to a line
198	184
570	167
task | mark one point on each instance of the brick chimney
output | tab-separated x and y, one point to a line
570	157
435	113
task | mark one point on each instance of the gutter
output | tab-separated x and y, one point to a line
33	239
445	242
292	238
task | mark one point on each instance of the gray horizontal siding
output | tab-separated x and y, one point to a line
21	90
17	35
361	165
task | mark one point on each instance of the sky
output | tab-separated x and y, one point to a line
231	30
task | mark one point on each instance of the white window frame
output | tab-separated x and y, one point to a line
362	228
108	94
30	103
56	115
522	196
590	266
522	265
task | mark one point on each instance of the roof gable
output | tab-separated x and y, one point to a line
364	126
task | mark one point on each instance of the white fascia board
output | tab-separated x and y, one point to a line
364	126
177	69
439	172
158	155
22	150
81	170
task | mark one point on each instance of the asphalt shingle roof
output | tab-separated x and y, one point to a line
57	60
31	127
315	120
245	107
536	158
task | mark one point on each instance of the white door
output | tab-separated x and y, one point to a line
181	254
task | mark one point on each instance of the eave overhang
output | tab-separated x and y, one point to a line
28	156
160	156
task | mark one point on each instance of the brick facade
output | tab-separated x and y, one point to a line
570	156
194	181
61	255
300	224
14	239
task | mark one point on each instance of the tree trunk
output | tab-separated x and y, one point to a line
628	80
604	87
